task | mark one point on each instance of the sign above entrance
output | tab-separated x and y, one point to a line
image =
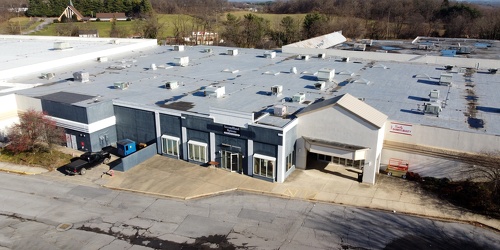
400	128
231	130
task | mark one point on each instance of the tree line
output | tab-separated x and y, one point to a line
400	19
53	8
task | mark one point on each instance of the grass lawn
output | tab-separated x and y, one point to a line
25	23
49	160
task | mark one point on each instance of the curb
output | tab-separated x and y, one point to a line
17	172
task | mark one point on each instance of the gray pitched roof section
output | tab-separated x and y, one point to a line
352	104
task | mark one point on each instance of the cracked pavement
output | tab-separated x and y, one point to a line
32	208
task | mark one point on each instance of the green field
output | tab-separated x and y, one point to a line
168	22
21	23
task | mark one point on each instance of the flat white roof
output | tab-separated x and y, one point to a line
397	89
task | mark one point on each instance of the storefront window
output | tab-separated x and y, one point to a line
197	151
170	145
264	166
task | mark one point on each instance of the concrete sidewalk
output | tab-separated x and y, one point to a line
183	180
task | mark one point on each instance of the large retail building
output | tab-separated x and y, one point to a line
260	113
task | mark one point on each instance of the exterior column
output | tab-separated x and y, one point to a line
250	158
280	167
184	144
212	146
158	133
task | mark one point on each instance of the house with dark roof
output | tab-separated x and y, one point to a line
118	16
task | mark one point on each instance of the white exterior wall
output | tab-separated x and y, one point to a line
377	56
8	113
445	138
339	125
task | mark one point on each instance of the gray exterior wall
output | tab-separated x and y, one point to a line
134	124
108	136
130	161
100	110
290	139
81	137
65	111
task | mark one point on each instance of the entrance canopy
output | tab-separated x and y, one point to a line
335	149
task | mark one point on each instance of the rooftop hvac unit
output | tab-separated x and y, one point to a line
179	48
432	108
319	85
121	85
359	47
293	70
61	45
303	57
492	71
115	41
81	76
299	97
368	42
325	74
215	91
448	67
182	61
434	95
102	59
171	85
48	76
322	56
445	79
153	66
208	50
270	54
345	59
277	89
232	52
280	110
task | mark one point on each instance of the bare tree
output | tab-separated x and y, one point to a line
485	167
34	132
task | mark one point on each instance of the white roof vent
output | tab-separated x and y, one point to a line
102	59
319	85
280	110
171	85
299	97
215	91
153	67
48	76
362	81
293	70
121	85
182	61
277	89
434	95
344	59
325	74
270	54
322	56
445	79
81	76
303	57
232	52
61	46
208	50
232	71
178	47
359	47
368	42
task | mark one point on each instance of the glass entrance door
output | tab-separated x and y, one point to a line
231	161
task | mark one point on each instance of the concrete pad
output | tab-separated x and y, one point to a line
256	215
358	189
327	197
197	226
396	206
337	187
117	245
379	204
410	197
256	185
388	194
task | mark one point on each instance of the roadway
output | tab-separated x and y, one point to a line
41	212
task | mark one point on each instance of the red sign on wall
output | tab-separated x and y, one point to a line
400	128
